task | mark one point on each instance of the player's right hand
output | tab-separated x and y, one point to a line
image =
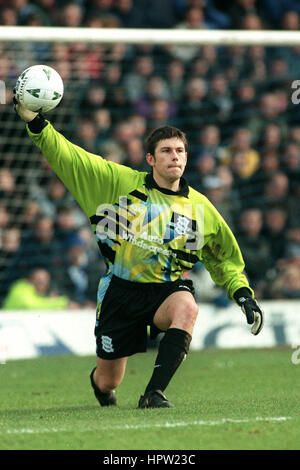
250	307
24	113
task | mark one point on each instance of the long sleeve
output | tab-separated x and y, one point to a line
91	179
222	256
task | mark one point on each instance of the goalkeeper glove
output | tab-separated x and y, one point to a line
250	308
24	113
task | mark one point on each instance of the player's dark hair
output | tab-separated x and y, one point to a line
161	133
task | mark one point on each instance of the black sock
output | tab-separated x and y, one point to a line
171	352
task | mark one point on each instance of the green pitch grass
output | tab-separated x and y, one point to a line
224	399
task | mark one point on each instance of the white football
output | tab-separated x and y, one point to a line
39	88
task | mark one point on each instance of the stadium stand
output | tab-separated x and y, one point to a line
234	103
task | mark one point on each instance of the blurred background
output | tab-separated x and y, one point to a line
234	103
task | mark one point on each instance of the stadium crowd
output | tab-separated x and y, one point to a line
234	103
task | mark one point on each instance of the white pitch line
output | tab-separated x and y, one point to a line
147	426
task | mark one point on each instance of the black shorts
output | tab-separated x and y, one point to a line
126	311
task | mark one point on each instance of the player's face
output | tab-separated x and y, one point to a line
168	162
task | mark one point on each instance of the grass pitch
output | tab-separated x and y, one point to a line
224	400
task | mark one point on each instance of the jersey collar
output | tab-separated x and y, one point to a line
183	191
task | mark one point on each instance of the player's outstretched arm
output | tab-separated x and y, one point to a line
250	308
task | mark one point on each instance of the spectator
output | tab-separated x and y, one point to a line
135	81
96	7
8	17
55	198
269	166
112	151
138	124
66	224
72	15
193	19
146	13
205	166
112	77
251	21
240	155
49	11
220	97
93	100
268	113
239	9
287	283
291	20
10	243
279	74
293	241
31	213
255	249
129	14
276	192
209	143
87	134
39	247
73	277
161	114
271	138
175	77
156	89
195	109
9	192
31	294
291	163
275	11
4	217
275	228
135	155
294	134
103	123
244	104
123	133
220	196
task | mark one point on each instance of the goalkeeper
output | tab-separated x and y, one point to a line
151	229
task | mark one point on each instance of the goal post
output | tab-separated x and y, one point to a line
149	36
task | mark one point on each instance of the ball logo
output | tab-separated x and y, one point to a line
35	92
48	73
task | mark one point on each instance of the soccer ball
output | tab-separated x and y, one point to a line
39	88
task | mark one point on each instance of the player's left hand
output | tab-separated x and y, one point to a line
251	309
24	113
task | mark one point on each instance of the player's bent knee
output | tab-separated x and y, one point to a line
185	316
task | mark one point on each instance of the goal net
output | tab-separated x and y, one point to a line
235	95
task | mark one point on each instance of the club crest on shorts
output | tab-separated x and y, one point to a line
107	345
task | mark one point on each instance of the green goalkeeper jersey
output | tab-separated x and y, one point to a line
145	233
